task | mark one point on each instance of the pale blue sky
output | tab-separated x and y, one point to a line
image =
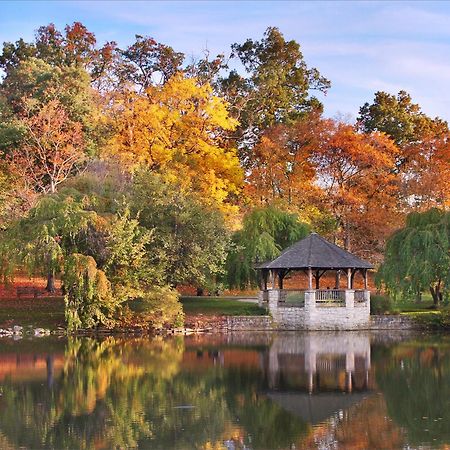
361	47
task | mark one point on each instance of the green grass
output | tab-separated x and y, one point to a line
42	313
220	306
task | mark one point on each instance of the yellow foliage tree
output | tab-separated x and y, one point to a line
179	130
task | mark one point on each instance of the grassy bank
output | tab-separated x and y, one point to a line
220	306
39	312
49	312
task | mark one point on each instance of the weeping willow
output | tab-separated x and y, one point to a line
265	233
417	257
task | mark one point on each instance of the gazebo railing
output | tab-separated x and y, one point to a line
330	297
360	297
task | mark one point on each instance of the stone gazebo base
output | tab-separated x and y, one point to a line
317	309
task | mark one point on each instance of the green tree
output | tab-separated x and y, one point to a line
190	239
417	257
46	235
265	233
277	86
398	117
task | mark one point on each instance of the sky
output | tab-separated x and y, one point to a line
361	47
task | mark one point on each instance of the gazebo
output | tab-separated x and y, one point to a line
315	308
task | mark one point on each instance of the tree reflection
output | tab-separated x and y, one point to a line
116	393
416	386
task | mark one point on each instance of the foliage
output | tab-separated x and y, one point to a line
265	232
417	257
178	128
89	298
52	149
423	151
276	89
380	304
159	307
360	188
190	239
398	117
280	169
47	234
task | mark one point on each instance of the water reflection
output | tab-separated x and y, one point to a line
312	390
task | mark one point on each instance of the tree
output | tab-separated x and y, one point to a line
190	239
417	257
178	128
265	232
147	62
423	147
276	89
46	236
52	150
360	184
76	47
280	169
398	117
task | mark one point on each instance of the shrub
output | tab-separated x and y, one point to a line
89	301
380	304
160	307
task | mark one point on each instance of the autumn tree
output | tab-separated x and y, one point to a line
52	149
178	129
280	170
360	185
424	151
147	62
398	117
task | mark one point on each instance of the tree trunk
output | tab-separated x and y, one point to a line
436	294
200	291
347	237
50	281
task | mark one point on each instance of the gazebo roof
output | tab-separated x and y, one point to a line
317	253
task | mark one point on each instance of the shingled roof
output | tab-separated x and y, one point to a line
317	253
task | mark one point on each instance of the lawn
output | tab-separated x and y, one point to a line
220	306
39	312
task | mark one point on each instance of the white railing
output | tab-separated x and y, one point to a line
330	297
360	297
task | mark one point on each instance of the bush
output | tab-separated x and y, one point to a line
380	304
160	307
433	319
89	300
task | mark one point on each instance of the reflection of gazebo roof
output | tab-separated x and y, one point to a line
317	407
315	252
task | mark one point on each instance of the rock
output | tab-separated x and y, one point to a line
41	332
17	329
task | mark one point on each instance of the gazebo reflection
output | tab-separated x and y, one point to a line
318	374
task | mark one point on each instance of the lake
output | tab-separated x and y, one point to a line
346	390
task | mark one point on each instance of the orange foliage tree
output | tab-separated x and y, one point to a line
53	148
360	184
280	170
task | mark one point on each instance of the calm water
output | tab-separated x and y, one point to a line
240	391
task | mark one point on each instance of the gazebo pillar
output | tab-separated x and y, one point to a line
310	278
349	278
337	284
365	279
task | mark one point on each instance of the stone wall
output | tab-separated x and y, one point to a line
398	322
255	323
289	317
